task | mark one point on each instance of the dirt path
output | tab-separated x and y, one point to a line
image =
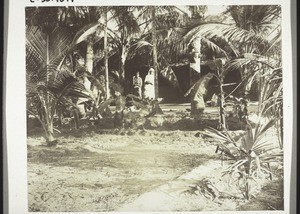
103	172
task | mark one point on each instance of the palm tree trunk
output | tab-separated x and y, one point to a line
106	56
46	117
221	100
47	105
89	63
49	132
154	39
123	59
89	60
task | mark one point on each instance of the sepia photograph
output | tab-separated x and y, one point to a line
154	108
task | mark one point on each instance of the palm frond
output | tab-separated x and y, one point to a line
64	83
226	32
218	135
261	129
59	43
214	47
169	75
234	167
249	59
36	53
85	33
271	156
137	47
200	85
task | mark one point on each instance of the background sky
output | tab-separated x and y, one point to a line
215	9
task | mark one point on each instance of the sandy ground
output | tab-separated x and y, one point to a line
100	169
102	172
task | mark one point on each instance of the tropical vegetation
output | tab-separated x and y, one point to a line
79	61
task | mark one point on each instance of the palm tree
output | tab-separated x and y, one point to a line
256	18
262	63
263	20
242	48
154	48
172	32
118	27
87	20
149	14
252	154
48	85
127	30
106	55
48	45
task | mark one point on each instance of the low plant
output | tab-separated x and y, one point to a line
252	153
46	91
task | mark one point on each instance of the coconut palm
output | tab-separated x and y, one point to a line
48	84
127	29
87	21
250	48
150	16
118	27
256	58
263	20
256	18
47	47
261	62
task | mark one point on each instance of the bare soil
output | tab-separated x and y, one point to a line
99	168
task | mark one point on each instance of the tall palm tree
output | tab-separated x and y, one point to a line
263	20
256	18
119	27
127	30
149	15
106	54
154	49
87	20
243	48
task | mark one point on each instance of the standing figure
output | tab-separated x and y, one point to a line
137	85
149	90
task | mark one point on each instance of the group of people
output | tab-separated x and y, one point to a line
146	90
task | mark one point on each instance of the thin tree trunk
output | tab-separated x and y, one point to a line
262	88
89	63
47	52
106	56
222	100
154	39
46	103
123	59
222	109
